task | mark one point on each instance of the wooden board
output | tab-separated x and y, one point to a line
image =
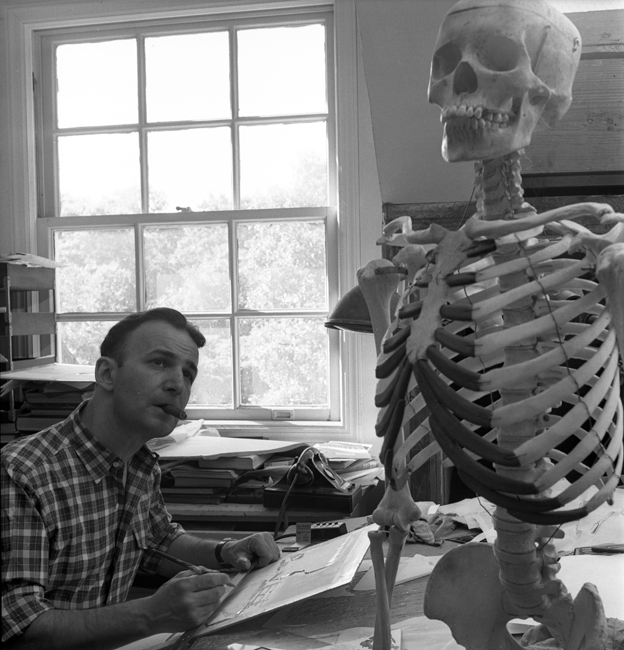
452	215
590	137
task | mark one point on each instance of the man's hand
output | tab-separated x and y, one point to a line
240	553
185	601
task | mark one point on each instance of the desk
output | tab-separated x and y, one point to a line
325	615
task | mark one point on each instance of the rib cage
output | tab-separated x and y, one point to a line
573	374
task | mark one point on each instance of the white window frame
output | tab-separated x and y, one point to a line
22	26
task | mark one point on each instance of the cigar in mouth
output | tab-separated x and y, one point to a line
175	411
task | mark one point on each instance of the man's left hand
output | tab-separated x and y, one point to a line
241	553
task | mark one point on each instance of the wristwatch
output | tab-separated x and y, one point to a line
218	557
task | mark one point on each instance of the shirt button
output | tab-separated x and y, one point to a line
116	464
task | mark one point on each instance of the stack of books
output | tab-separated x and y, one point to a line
208	480
47	403
352	461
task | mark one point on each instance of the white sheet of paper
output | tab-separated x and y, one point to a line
212	447
68	373
606	572
410	568
180	433
358	638
293	577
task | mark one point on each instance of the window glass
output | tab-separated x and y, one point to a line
79	342
186	267
99	174
214	383
284	361
97	272
190	169
282	70
96	83
283	165
188	77
282	265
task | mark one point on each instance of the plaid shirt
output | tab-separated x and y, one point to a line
72	535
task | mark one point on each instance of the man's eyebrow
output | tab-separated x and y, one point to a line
171	355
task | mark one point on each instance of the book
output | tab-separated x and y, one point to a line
344	450
189	475
358	465
243	462
203	481
207	495
277	461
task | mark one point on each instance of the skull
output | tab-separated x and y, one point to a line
499	68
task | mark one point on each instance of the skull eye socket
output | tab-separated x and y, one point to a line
500	54
445	60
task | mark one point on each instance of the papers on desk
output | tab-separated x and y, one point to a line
606	572
602	526
410	568
66	373
292	578
180	433
199	446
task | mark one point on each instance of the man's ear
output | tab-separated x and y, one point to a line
105	371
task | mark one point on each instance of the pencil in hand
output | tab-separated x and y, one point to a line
197	570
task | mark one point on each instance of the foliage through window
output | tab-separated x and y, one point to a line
193	166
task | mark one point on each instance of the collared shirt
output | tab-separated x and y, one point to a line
73	534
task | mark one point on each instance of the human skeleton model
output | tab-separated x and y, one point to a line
503	346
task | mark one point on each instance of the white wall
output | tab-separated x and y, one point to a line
398	39
6	222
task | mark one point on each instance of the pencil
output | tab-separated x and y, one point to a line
187	565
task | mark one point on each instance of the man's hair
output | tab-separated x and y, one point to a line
114	343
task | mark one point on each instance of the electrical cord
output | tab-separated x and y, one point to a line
282	517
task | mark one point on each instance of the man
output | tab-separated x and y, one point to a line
81	506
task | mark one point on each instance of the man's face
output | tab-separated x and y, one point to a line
159	365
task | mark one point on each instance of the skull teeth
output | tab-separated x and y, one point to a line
476	117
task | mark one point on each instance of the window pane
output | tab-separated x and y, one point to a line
80	341
284	362
213	386
188	77
97	83
190	169
282	265
98	270
99	174
282	70
186	267
283	165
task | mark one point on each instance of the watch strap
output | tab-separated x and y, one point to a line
218	557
